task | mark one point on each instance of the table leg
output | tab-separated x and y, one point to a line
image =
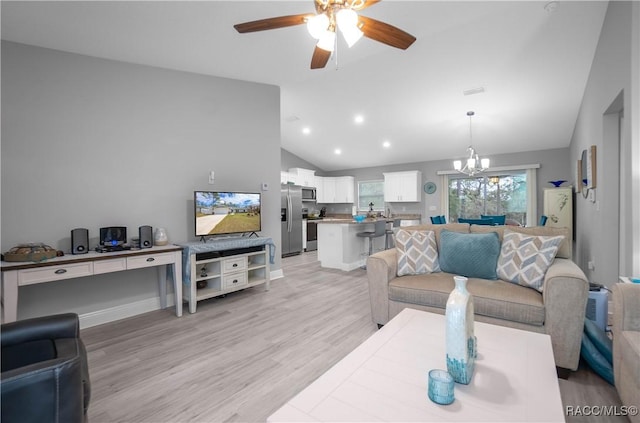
9	296
162	285
177	282
192	286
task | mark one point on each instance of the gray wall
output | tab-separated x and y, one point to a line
554	165
612	91
289	160
88	142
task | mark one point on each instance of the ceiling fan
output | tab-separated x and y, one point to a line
330	16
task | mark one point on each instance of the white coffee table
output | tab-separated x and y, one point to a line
385	378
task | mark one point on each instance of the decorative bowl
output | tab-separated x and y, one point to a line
359	218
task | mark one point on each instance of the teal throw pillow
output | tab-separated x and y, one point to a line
470	255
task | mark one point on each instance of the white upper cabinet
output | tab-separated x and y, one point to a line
286	177
403	186
304	177
340	189
345	189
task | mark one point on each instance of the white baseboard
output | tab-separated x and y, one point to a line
122	311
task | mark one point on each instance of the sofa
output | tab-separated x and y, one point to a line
626	344
556	308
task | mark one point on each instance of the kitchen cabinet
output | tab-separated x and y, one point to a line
403	186
328	191
304	177
345	191
286	177
338	189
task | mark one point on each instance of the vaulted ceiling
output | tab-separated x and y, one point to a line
530	59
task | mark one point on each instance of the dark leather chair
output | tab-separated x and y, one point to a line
45	374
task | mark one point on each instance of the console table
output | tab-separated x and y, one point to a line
15	274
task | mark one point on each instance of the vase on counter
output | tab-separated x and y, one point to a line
160	237
460	339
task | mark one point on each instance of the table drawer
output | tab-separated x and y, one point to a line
107	266
54	273
233	280
149	260
234	264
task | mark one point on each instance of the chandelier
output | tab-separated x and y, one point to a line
473	164
332	15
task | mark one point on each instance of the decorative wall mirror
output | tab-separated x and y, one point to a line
587	170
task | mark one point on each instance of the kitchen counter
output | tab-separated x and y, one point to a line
339	247
349	219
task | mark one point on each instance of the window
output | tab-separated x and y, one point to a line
370	192
493	194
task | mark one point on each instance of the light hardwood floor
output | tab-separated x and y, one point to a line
239	358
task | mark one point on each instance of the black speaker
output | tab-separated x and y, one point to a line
146	236
79	241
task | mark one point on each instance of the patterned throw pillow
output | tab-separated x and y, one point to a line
416	251
524	259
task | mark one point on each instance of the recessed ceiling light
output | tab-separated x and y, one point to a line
359	119
337	151
386	144
306	130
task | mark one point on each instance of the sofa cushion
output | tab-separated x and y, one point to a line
437	229
470	255
524	259
564	250
497	299
416	251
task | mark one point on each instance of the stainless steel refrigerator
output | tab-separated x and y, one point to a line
291	219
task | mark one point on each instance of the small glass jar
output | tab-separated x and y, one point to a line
440	387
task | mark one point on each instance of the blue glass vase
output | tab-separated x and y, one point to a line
461	341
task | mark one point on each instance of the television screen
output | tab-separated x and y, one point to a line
218	213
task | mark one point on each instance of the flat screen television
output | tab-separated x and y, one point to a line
224	213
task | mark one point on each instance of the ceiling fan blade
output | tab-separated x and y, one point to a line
385	33
272	23
368	3
320	58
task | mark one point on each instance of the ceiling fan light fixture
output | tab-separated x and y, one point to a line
317	25
347	21
352	35
327	41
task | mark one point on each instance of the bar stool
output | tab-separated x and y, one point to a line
379	230
389	234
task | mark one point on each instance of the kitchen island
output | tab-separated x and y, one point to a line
340	248
338	245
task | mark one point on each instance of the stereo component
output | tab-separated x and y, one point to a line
146	236
79	241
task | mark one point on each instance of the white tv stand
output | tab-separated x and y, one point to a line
225	267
